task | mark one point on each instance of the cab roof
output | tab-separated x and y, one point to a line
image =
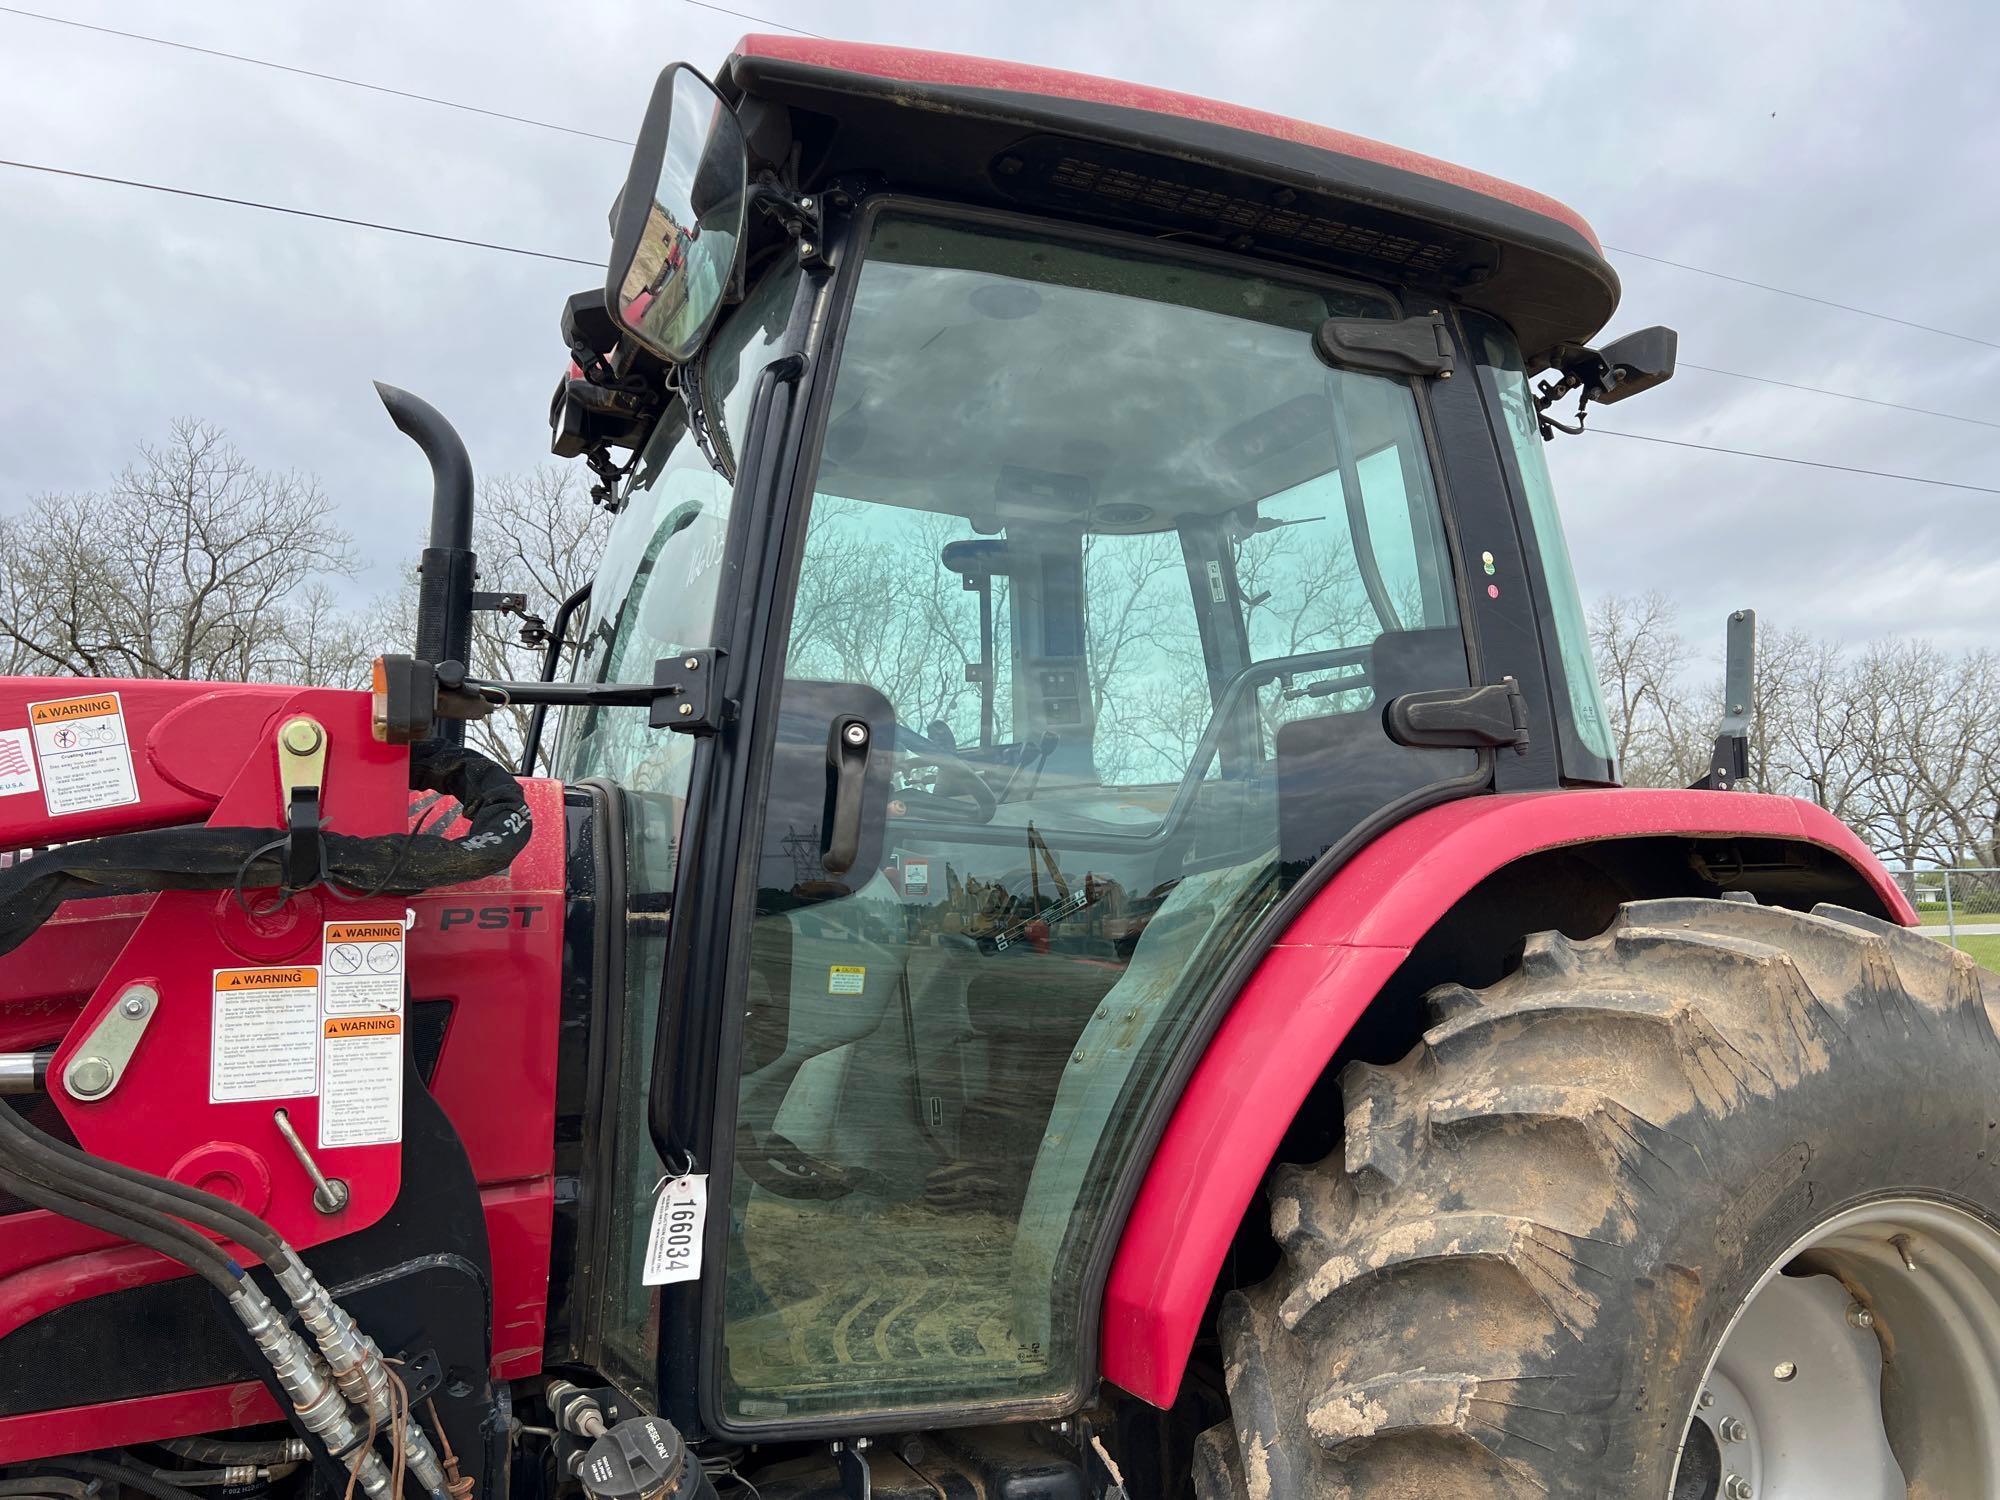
1156	161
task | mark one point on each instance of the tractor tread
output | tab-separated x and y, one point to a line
1451	1274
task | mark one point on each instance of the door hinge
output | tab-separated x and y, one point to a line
1490	717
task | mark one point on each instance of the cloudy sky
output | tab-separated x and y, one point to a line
1850	152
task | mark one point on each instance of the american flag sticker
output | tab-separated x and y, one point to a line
17	763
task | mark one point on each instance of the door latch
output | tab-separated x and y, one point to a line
1490	717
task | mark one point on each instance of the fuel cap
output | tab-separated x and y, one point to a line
642	1458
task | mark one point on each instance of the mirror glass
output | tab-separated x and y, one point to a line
673	266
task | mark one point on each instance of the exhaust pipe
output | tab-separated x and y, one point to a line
450	567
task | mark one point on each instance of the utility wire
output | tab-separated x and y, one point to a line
302	213
1784	291
1816	390
745	15
353	83
1779	458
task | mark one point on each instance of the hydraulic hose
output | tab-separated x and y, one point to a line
156	1232
357	1365
227	1451
48	1487
135	1475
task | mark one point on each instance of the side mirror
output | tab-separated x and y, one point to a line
1637	362
678	222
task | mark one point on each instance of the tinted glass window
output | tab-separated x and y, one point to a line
1120	573
654	595
1586	731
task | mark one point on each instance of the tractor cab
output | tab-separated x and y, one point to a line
1099	511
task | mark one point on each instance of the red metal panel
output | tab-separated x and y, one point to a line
950	69
1298	1006
143	1419
160	1117
175	756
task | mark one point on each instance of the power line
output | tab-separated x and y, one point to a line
1784	291
353	83
302	213
1779	458
1816	390
744	15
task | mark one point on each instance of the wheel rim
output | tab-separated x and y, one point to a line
1864	1361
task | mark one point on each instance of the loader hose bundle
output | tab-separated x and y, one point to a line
202	858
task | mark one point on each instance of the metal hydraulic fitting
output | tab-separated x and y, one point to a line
319	1403
358	1368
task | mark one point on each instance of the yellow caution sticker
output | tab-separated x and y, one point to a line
846	979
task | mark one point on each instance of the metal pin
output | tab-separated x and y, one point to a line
1902	1244
329	1193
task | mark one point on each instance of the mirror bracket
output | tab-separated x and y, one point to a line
797	214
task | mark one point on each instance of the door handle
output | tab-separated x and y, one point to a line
847	742
1467	718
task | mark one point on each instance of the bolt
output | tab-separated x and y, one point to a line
862	1444
1860	1316
1784	1370
1444	374
692	663
1730	1430
301	736
806	204
686	709
1736	1487
1707	1400
136	1002
855	734
806	247
89	1077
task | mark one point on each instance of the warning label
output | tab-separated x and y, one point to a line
846	979
361	1034
17	763
364	967
85	759
263	1040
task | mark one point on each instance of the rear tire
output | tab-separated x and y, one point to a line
1511	1281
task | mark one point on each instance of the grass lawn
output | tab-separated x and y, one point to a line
1984	950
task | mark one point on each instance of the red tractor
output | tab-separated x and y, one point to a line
1079	936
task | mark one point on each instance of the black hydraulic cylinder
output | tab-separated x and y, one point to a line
450	568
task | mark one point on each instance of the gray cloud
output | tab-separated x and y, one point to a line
1847	151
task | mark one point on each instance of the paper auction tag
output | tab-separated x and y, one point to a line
673	1249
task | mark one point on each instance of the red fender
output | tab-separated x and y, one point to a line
1316	981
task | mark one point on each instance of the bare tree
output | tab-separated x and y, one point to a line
1660	729
193	564
536	534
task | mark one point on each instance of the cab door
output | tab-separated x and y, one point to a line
1095	583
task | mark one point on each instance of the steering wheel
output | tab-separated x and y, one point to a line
956	783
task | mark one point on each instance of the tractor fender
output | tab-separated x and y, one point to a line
1319	976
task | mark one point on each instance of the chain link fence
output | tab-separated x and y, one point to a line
1963	902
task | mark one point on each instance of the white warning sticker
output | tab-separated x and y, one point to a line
85	758
17	763
673	1248
364	967
263	1040
361	1034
